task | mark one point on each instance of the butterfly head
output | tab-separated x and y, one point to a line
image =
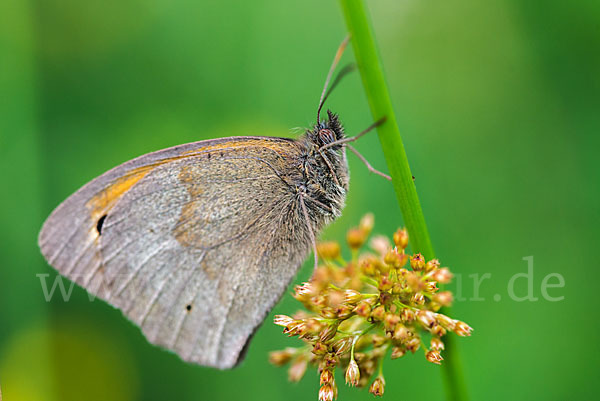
328	131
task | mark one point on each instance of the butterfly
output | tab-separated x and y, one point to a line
196	243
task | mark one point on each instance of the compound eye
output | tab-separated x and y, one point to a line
326	136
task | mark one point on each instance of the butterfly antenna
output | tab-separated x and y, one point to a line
336	60
347	69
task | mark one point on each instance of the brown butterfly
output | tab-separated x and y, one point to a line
196	243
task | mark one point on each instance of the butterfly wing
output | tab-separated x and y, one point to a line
195	244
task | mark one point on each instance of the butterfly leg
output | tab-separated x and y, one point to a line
330	167
356	137
310	232
369	167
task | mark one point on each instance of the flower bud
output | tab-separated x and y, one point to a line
377	387
369	265
328	312
343	345
283	320
401	238
407	315
378	313
390	321
320	301
427	318
434	356
363	309
352	296
366	223
328	250
279	358
297	369
380	244
432	265
437	344
399	288
442	275
329	361
398	352
326	376
413	344
335	298
352	373
403	259
438	330
296	328
444	298
326	392
385	283
401	333
378	340
414	281
417	262
313	326
383	268
431	287
462	329
328	333
446	322
418	299
319	348
320	278
338	275
304	292
355	238
395	259
343	311
385	298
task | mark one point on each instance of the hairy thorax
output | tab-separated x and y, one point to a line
324	180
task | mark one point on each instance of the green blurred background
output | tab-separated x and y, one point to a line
499	106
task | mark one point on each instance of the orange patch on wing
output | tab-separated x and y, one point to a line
182	231
104	200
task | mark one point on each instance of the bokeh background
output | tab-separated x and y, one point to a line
499	106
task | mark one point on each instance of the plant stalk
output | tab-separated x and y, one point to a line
369	66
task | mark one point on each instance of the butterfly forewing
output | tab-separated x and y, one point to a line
185	242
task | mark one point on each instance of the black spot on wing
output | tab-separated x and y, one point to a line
100	224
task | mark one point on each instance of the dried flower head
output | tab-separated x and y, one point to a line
382	300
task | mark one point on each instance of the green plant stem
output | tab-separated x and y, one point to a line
380	103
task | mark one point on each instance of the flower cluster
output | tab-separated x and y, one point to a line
382	301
